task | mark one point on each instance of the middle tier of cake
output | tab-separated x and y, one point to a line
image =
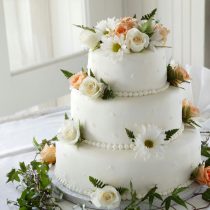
105	121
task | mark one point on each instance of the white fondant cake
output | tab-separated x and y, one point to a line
128	113
132	73
105	121
117	168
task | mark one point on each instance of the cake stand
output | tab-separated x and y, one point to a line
84	200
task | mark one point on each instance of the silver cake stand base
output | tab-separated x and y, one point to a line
84	200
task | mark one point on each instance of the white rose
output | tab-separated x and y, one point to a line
91	87
107	197
70	132
136	40
89	38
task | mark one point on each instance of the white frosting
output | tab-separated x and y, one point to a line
75	164
134	72
141	92
129	146
106	120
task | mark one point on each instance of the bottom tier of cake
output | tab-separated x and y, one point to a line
75	164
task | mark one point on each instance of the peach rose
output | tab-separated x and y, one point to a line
203	175
194	111
48	154
163	32
124	25
184	73
77	79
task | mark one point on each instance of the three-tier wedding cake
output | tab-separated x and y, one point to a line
129	119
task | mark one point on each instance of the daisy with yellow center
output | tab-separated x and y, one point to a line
149	141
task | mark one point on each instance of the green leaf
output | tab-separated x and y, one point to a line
102	81
108	94
13	175
167	203
158	196
205	151
85	28
179	190
122	190
134	16
22	167
96	182
207	162
179	201
91	73
149	15
147	27
66	116
170	133
67	74
150	192
97	46
206	195
36	144
133	192
130	134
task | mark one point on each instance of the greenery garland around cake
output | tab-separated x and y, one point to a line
86	82
125	35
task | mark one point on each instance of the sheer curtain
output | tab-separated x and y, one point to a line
41	30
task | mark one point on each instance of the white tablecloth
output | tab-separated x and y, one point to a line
16	137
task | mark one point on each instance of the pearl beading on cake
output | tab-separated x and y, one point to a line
140	92
130	146
124	197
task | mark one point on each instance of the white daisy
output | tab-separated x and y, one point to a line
149	142
114	47
106	26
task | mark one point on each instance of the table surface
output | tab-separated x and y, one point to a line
16	146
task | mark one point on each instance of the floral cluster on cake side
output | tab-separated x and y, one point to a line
86	82
125	35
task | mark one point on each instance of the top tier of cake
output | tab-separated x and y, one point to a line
134	72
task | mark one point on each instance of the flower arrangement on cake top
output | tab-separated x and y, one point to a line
125	35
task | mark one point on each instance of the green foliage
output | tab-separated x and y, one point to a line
207	162
151	195
96	182
206	195
39	147
175	198
108	92
66	73
66	117
37	189
92	74
13	175
97	46
147	27
134	16
130	134
122	190
205	151
170	133
85	28
149	15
